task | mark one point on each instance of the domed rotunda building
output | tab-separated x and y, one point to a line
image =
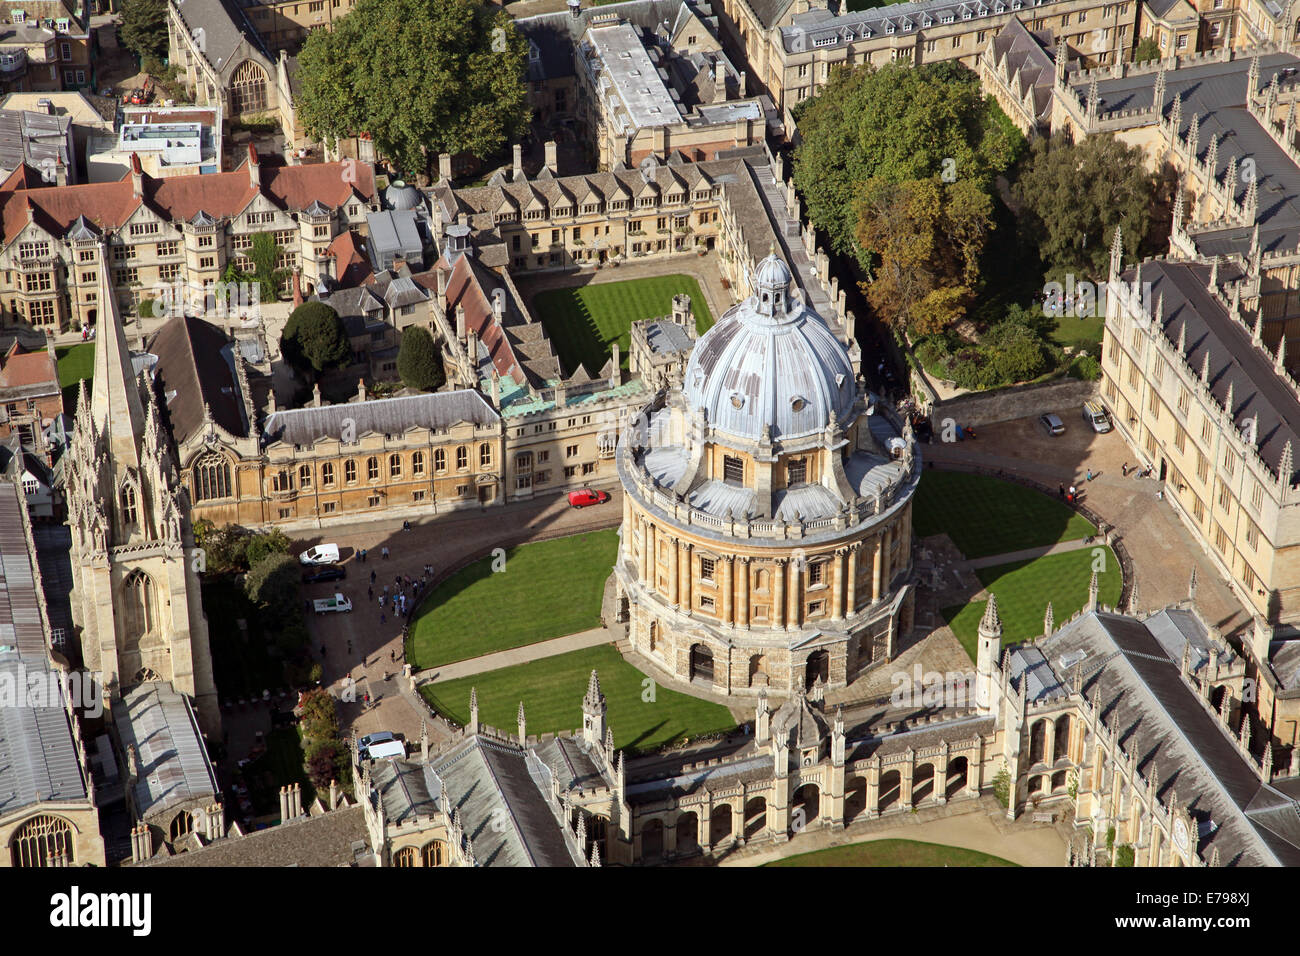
766	534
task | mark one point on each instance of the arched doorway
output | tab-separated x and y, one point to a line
652	840
855	799
805	809
701	664
755	817
688	833
922	783
817	668
720	824
957	770
891	785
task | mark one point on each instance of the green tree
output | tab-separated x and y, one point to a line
418	361
143	28
274	584
314	340
896	124
261	544
1073	195
1147	49
422	77
265	254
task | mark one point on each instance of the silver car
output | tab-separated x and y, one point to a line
1052	424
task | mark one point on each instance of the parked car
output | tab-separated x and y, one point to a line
371	740
1052	424
321	554
1094	413
587	496
325	572
331	604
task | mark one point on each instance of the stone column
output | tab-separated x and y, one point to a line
873	789
674	581
851	589
793	616
1049	742
728	589
887	565
688	576
837	585
742	611
643	528
877	567
778	594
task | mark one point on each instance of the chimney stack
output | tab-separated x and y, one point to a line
137	177
719	81
519	163
551	161
254	172
575	8
444	167
297	288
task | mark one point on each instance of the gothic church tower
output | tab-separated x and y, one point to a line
136	599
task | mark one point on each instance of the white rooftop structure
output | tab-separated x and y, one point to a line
643	94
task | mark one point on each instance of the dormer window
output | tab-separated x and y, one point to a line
798	404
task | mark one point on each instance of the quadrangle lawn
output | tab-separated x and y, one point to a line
545	589
985	516
584	322
1024	588
76	362
893	853
552	690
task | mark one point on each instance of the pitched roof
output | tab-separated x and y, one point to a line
159	723
351	265
36	372
195	366
386	416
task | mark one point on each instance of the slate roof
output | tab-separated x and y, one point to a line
384	416
820	27
324	840
570	760
1025	57
224	29
195	366
159	722
1234	360
1165	723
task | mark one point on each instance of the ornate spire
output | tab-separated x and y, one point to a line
1094	589
1212	157
1286	466
115	396
1279	363
1158	94
1230	179
593	696
1191	585
1179	204
1049	621
1230	403
1214	274
1093	100
990	625
1116	253
1205	366
1257	334
1182	340
1250	208
1194	135
1176	114
1252	77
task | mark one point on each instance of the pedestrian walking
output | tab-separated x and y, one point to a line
382	619
1124	469
372	577
393	656
1061	491
384	552
385	589
1090	474
362	555
381	601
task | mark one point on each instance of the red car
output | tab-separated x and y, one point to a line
580	499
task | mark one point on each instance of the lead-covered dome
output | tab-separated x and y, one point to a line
770	363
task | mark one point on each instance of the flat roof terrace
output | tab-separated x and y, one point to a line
625	61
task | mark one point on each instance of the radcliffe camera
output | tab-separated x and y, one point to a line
648	434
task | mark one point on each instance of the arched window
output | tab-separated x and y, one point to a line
211	477
350	470
129	514
417	464
485	455
372	468
404	857
138	609
435	853
248	89
462	457
395	466
440	459
40	838
181	827
304	476
327	473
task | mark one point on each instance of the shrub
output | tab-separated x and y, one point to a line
1002	787
1124	855
418	361
314	339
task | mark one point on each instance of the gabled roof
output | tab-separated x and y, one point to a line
195	366
159	723
384	416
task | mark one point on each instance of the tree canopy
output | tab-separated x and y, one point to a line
274	585
897	124
143	28
314	339
421	77
418	361
1074	195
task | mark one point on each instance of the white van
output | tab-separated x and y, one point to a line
1094	413
387	749
321	554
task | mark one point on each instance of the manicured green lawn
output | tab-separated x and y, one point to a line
546	589
75	363
584	322
1075	331
985	516
552	690
1024	588
893	853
